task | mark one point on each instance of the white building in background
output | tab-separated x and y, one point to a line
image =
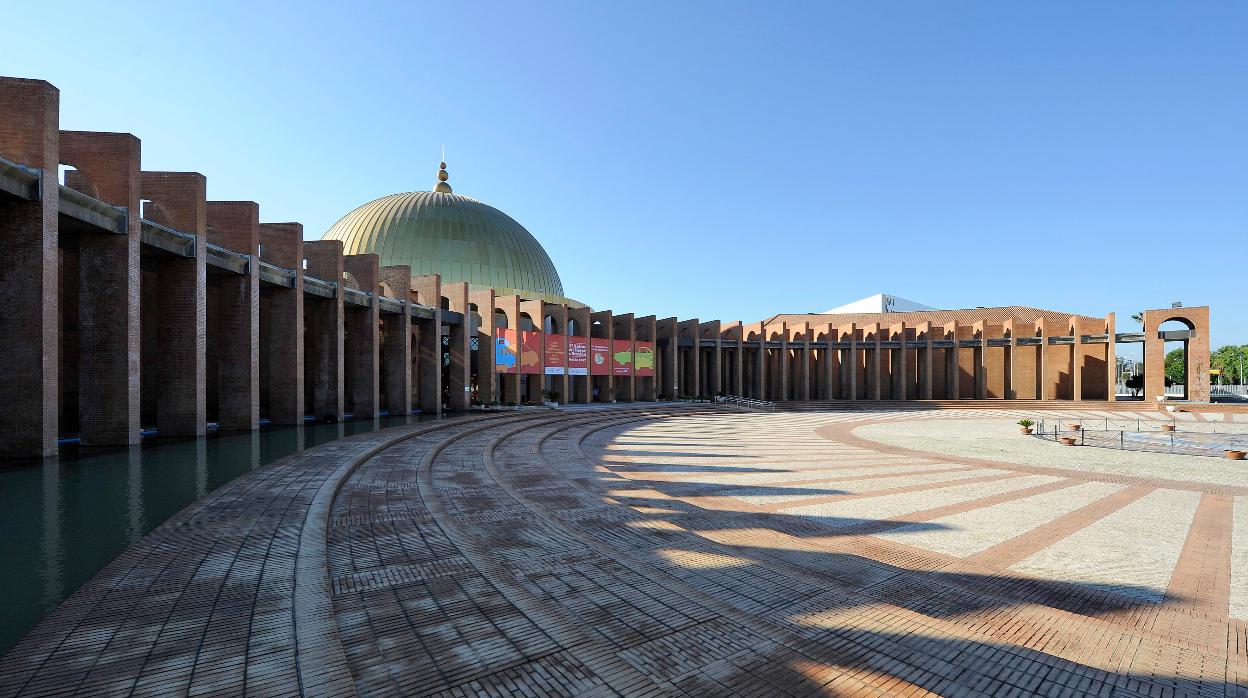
880	303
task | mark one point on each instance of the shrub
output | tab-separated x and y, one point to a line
1026	423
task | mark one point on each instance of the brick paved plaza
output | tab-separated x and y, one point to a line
672	551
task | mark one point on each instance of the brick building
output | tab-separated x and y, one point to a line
130	300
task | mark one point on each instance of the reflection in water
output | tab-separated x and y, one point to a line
63	520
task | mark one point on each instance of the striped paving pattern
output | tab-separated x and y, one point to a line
646	551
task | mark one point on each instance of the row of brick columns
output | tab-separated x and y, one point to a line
788	367
143	327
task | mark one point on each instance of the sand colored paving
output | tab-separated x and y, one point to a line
974	531
1239	560
998	439
1134	550
856	511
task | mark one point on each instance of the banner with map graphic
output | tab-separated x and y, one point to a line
578	356
599	357
556	354
530	352
506	350
622	357
643	359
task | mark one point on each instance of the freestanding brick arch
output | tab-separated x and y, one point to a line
1195	342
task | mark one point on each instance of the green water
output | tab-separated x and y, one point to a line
61	521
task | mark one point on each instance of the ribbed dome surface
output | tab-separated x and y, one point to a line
455	236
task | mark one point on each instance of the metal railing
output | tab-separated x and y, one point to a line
746	402
1149	435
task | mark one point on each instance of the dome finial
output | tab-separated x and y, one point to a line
442	187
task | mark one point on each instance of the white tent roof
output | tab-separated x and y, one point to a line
880	303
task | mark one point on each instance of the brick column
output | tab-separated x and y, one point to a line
429	344
181	199
108	303
979	354
926	367
900	377
397	361
1111	359
1044	390
235	225
625	387
29	294
459	381
669	373
849	378
396	342
281	244
876	373
362	341
1076	359
1011	391
953	391
323	338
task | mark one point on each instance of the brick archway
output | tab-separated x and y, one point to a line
1195	344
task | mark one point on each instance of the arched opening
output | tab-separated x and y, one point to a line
572	327
1174	334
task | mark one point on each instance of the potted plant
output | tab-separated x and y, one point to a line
1167	427
1025	425
1068	440
550	398
1235	454
1074	426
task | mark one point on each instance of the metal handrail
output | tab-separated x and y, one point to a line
746	402
1193	442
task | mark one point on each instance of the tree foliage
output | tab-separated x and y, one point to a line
1175	369
1229	360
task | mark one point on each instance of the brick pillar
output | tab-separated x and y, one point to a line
235	225
396	342
108	304
926	366
1044	389
981	360
362	342
323	338
1077	353
29	294
1011	391
953	371
459	381
669	373
429	345
899	374
849	368
282	325
181	198
1111	359
397	361
876	375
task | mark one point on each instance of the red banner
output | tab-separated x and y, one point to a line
506	348
578	356
622	357
643	359
530	352
556	355
599	357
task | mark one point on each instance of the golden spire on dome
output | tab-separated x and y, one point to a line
442	187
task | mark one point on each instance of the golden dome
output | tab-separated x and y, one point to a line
455	236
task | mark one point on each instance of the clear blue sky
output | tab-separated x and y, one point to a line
719	160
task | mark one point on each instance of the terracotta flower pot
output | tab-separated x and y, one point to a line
1074	427
1236	455
1167	427
1068	441
1024	430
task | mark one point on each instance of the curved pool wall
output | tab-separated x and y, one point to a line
64	519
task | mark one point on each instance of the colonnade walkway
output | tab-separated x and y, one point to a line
669	550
